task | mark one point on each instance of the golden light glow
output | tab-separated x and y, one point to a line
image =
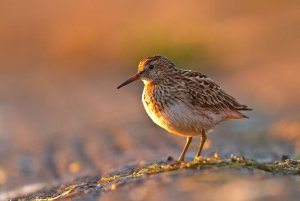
216	155
59	70
3	177
74	167
207	144
113	187
287	130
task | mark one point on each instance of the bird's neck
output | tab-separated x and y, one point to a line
157	81
146	82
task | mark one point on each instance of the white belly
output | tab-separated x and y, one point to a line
179	119
153	112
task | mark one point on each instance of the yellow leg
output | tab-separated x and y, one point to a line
202	141
187	144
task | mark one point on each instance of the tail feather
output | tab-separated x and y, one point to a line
242	107
236	115
241	116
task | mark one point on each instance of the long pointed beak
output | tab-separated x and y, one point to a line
133	78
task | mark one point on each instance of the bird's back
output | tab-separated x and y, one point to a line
186	102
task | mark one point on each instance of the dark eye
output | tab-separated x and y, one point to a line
151	67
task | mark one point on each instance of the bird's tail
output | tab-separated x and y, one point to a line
242	107
236	115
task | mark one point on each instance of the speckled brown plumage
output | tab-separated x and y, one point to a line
184	102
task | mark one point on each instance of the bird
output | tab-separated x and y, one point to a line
184	102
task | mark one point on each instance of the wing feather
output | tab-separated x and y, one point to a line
208	94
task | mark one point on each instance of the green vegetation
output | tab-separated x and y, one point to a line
288	167
112	182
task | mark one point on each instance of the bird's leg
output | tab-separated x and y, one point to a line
187	144
202	141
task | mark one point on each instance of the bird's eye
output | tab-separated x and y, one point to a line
151	67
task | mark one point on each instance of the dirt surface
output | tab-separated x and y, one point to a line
60	127
137	182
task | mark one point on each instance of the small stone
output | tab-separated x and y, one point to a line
284	157
170	158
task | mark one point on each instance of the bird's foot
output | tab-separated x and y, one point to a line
198	158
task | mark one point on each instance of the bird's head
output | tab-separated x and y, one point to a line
152	69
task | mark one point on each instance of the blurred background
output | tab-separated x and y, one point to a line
60	62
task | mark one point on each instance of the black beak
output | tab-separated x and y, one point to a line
133	78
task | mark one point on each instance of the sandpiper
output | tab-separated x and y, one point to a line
184	102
